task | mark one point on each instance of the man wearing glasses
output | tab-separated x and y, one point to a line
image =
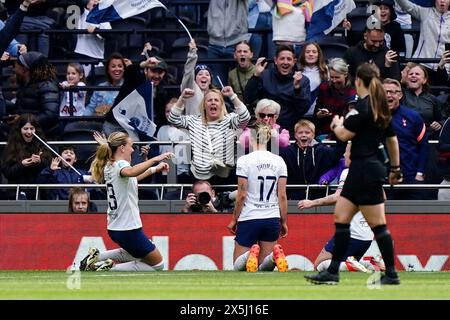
413	142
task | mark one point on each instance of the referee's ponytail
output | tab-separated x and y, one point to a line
369	74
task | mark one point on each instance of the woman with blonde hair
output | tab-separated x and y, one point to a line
334	97
112	167
260	215
212	133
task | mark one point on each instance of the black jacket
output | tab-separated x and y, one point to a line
272	85
357	55
308	165
42	100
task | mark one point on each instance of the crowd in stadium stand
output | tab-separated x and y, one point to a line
63	79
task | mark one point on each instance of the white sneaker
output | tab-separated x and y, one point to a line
106	265
353	265
87	264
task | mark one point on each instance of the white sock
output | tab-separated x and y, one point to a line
268	264
119	255
137	266
241	261
323	265
326	263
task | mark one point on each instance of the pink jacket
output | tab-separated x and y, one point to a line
283	137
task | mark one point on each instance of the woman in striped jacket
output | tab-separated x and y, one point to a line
212	132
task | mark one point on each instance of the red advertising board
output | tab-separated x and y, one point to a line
52	241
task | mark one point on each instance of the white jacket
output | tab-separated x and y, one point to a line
434	31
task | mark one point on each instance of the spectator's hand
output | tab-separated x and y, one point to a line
444	59
27	162
55	164
227	91
28	2
419	177
305	204
436	126
127	62
191	199
346	24
5	56
163	167
100	137
232	226
187	93
390	58
147	48
297	78
22	48
150	62
209	207
284	230
90	28
64	85
260	66
144	150
323	113
337	120
13	119
36	158
192	44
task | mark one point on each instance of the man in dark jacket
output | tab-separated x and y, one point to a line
412	140
281	84
373	50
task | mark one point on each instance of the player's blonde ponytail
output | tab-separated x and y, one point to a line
105	154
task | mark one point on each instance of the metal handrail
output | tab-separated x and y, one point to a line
164	186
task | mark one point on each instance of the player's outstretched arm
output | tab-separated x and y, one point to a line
140	168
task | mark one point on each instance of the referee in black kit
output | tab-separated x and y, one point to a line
367	126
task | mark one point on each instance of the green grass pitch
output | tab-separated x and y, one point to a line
206	285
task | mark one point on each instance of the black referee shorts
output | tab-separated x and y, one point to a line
364	183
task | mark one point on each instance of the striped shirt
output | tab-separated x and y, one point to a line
213	143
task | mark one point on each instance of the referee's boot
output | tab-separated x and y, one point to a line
323	277
385	279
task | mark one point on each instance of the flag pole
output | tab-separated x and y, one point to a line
220	82
56	153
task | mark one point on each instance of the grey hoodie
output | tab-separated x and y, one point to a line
227	22
434	31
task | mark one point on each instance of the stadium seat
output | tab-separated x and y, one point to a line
135	39
333	50
82	131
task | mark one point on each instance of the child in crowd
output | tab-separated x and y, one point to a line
74	106
60	172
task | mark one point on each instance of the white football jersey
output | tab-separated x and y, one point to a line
262	170
359	228
122	193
